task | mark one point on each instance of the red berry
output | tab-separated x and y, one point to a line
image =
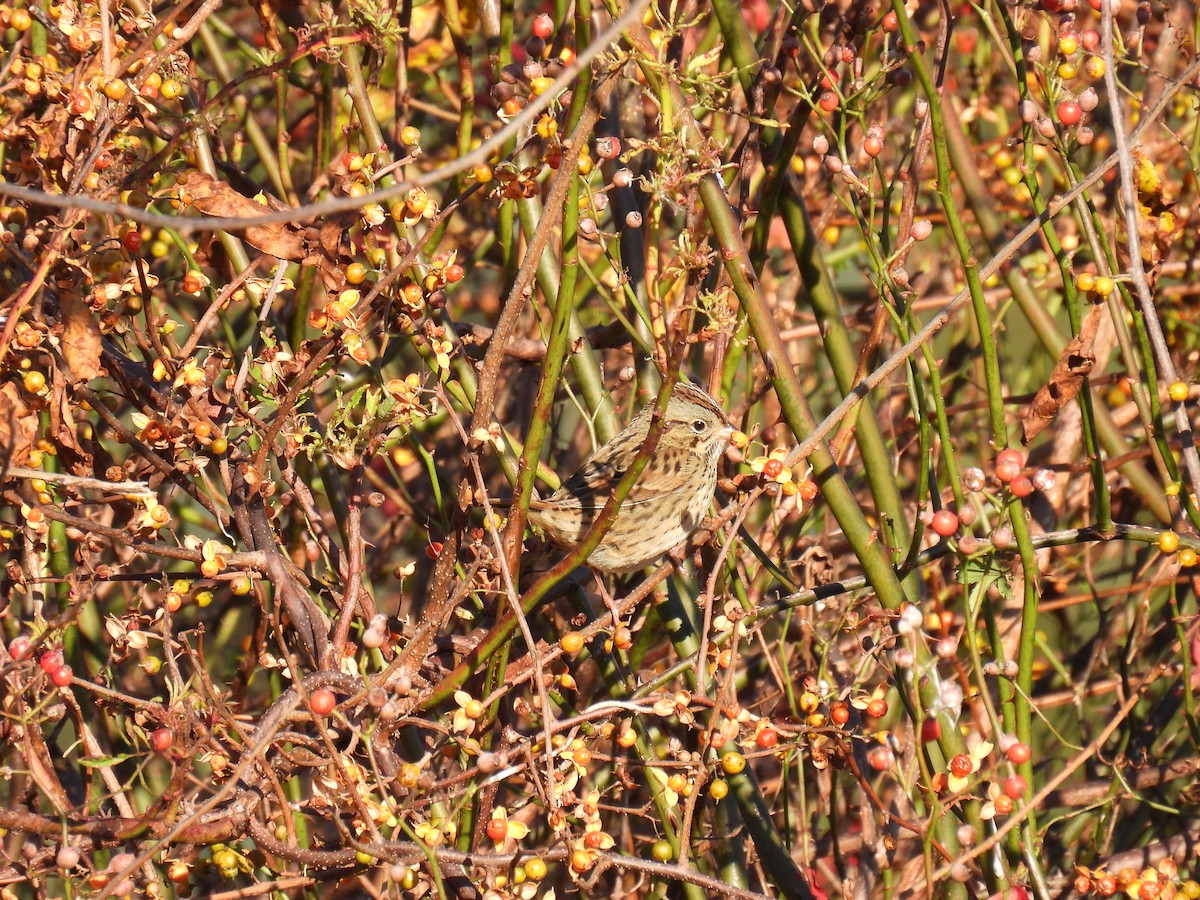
772	468
828	101
434	550
543	27
20	647
1021	486
497	829
1019	753
132	240
840	714
808	490
1015	786
891	22
880	758
161	739
945	522
51	660
453	273
61	676
877	708
1010	454
321	701
931	730
1008	465
961	765
1070	112
767	738
608	147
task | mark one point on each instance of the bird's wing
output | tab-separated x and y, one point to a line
591	486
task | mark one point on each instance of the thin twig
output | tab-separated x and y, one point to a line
1137	268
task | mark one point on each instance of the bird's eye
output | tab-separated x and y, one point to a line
699	426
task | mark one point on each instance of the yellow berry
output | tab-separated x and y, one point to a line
356	272
1094	67
115	89
1168	541
218	446
34	381
1105	285
410	136
1067	71
1187	557
733	763
171	89
719	789
482	173
1086	282
535	869
1178	391
662	851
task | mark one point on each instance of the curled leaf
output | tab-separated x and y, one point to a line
81	339
215	198
1074	364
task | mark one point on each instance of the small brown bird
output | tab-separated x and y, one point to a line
669	500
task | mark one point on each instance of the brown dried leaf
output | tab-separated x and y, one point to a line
18	427
1073	366
215	198
81	339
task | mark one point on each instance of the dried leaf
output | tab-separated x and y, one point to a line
81	339
1073	366
215	198
18	427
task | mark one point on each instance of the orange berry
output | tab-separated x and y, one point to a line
571	642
